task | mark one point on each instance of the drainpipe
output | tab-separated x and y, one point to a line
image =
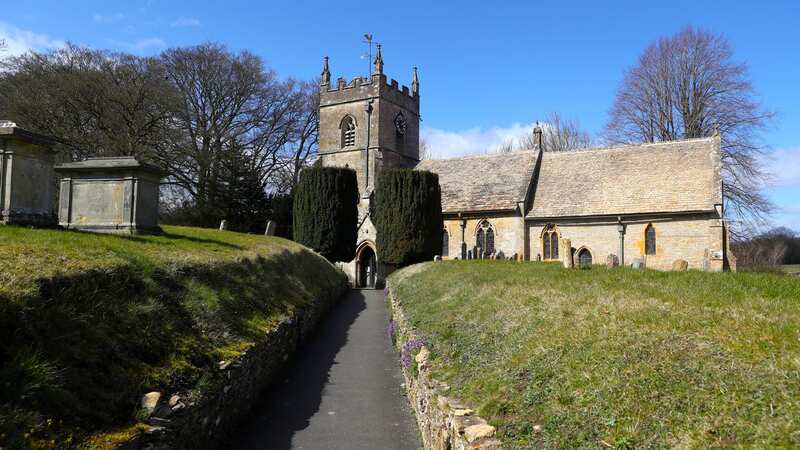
463	243
368	110
621	230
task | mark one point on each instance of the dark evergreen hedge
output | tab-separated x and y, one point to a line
408	216
326	211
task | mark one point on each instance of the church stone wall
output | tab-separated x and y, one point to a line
509	234
696	239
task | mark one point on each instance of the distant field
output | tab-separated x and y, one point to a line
618	358
89	323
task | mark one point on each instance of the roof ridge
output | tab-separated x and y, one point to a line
628	146
484	155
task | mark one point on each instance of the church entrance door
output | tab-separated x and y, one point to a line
367	267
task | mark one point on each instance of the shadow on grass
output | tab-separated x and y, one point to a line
87	346
288	405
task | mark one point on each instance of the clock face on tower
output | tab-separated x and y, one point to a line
400	123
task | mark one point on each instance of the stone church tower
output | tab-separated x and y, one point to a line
367	125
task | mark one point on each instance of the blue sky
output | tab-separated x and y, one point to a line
488	69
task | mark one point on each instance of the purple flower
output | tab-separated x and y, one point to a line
386	290
390	330
405	353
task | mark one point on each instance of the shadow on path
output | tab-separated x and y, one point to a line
341	391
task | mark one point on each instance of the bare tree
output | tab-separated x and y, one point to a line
93	103
233	117
506	146
559	135
303	144
687	86
425	151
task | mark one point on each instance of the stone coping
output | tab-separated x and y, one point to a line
110	164
444	422
10	130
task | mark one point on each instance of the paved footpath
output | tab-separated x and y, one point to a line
342	391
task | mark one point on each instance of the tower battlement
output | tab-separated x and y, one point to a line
368	123
375	86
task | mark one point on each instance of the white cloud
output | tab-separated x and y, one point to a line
108	18
19	41
186	22
472	141
140	46
783	165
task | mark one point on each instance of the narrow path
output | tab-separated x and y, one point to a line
343	390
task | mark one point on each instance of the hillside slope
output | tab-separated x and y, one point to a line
88	323
622	358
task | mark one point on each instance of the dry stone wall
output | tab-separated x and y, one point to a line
445	423
208	417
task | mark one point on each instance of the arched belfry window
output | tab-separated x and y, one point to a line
348	127
650	240
484	238
445	243
550	243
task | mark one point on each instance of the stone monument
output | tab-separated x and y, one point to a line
26	177
109	195
270	230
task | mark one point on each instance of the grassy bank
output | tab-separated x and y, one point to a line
88	323
614	358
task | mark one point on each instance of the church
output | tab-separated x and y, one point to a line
646	205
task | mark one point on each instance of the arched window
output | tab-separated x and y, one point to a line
550	243
484	238
348	127
445	243
584	258
650	240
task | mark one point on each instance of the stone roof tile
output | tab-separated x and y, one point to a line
483	183
678	176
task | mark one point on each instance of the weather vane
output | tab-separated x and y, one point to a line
369	41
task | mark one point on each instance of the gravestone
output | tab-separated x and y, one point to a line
680	265
27	190
565	252
612	261
109	195
270	231
638	263
223	225
437	258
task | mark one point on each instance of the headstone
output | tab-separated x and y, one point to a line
26	171
109	195
680	265
223	225
501	255
612	261
270	231
565	252
638	263
437	258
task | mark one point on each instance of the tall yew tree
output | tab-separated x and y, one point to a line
326	211
408	216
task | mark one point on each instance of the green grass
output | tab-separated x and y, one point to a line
614	358
88	323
